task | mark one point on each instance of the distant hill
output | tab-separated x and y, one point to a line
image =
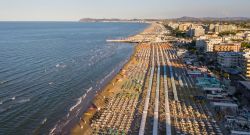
182	19
97	20
110	20
186	19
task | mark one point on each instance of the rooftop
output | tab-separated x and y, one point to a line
224	104
246	84
229	53
240	132
228	44
247	55
208	82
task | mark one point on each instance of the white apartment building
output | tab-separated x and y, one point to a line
209	44
196	31
222	28
173	25
211	27
201	41
246	65
184	26
230	38
247	36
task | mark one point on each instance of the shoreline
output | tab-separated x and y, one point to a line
75	116
83	125
86	103
111	88
95	92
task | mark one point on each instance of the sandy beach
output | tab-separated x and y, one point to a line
113	88
150	95
103	97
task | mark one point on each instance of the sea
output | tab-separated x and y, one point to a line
50	71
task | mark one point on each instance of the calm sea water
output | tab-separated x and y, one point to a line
49	71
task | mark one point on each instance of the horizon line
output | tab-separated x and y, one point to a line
122	19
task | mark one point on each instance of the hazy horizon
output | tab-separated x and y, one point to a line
73	10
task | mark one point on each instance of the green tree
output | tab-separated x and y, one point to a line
225	33
245	44
226	75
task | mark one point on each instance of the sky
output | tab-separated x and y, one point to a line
73	10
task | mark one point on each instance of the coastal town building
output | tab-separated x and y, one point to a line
200	42
246	65
223	28
211	27
173	25
239	35
247	36
184	26
229	59
225	47
231	39
209	44
196	31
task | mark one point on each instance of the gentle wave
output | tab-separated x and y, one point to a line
89	89
7	100
14	101
23	100
79	101
61	65
44	121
